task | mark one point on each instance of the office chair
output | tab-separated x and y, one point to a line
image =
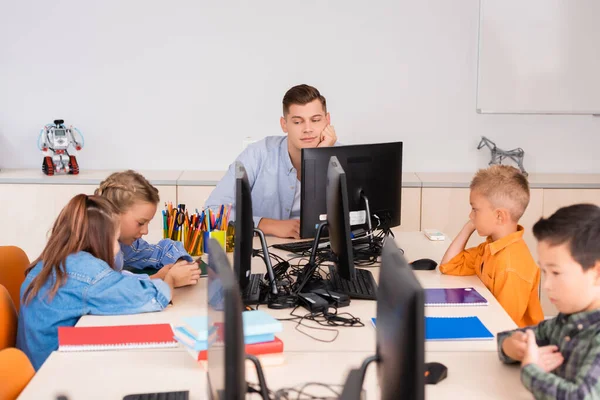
15	373
13	263
8	320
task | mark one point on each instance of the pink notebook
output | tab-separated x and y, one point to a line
91	338
454	297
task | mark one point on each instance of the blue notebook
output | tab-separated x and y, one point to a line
456	328
256	323
454	297
184	337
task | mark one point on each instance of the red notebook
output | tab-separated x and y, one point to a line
115	337
255	349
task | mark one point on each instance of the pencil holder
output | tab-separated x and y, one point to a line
230	237
194	229
219	236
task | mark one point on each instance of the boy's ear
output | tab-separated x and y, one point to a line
283	124
502	216
328	119
596	272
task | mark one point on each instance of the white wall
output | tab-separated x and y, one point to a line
178	85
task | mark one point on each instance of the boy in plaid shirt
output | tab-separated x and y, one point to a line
560	357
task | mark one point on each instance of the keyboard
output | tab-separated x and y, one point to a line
363	287
306	245
251	294
299	247
183	395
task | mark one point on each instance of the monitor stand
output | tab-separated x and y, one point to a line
265	249
365	200
264	391
305	276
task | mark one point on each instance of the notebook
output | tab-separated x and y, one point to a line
255	322
256	349
91	338
456	328
454	297
184	337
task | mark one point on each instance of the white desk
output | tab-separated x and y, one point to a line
474	369
475	376
191	301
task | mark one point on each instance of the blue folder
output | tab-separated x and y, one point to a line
456	328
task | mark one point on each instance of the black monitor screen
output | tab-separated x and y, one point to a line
400	328
337	219
226	354
374	170
244	227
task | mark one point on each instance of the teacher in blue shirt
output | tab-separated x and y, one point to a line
273	164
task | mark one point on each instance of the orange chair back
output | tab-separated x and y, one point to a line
13	263
15	373
8	320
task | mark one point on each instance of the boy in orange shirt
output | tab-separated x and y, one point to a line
499	197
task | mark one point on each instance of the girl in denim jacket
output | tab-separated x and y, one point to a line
75	275
136	201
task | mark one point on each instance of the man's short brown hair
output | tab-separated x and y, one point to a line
301	95
504	186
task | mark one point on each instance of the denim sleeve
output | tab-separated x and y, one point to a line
142	254
224	192
113	293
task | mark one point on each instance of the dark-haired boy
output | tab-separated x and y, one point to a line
560	357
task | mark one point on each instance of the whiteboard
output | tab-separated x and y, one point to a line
539	57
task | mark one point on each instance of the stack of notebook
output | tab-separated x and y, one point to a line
259	336
455	327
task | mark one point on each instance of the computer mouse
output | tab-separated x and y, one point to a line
435	372
423	264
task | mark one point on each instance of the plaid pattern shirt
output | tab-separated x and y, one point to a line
578	339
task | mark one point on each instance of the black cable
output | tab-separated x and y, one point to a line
285	393
264	390
299	318
365	365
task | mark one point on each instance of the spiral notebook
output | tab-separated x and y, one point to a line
93	338
456	328
454	297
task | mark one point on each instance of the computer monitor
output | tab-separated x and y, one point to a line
243	242
400	328
400	332
226	352
374	170
244	227
338	220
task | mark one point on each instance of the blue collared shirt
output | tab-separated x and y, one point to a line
272	179
91	287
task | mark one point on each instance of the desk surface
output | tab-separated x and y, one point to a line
85	177
536	180
474	369
475	376
211	178
191	301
